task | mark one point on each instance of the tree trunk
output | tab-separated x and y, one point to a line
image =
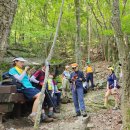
89	36
78	37
124	57
7	12
41	99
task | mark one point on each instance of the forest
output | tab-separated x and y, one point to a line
62	32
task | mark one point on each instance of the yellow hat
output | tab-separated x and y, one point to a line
111	68
74	65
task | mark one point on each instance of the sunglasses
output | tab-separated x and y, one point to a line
74	68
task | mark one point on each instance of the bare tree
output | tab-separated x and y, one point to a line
41	99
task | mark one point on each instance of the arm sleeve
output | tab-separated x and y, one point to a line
115	82
33	79
107	85
36	74
20	77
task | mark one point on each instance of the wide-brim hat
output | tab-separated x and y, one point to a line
74	65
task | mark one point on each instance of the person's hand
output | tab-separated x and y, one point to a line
41	83
26	68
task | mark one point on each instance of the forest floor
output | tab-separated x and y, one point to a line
100	119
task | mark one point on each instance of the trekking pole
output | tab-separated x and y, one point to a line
50	99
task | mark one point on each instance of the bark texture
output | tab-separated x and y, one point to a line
78	53
41	99
124	57
7	12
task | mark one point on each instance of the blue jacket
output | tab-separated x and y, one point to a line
75	77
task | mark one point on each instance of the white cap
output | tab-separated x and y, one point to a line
19	59
67	66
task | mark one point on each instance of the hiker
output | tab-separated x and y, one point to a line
89	75
37	79
112	88
65	83
54	92
27	89
76	79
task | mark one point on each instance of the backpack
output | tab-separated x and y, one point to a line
8	79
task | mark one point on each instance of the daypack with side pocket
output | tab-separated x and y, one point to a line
8	79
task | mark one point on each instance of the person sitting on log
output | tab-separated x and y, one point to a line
37	79
112	88
29	91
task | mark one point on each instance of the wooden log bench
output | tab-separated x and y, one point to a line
9	97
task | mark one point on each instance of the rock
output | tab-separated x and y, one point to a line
90	125
10	129
2	127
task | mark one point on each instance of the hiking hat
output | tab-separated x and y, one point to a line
74	65
111	68
88	62
67	66
19	59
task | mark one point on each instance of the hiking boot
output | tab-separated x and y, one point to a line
77	114
31	118
83	113
45	118
52	115
57	110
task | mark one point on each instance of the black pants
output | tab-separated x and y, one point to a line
89	77
48	100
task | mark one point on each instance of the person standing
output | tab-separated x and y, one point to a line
76	79
65	82
89	75
112	88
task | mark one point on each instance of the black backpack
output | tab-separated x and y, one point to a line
8	79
